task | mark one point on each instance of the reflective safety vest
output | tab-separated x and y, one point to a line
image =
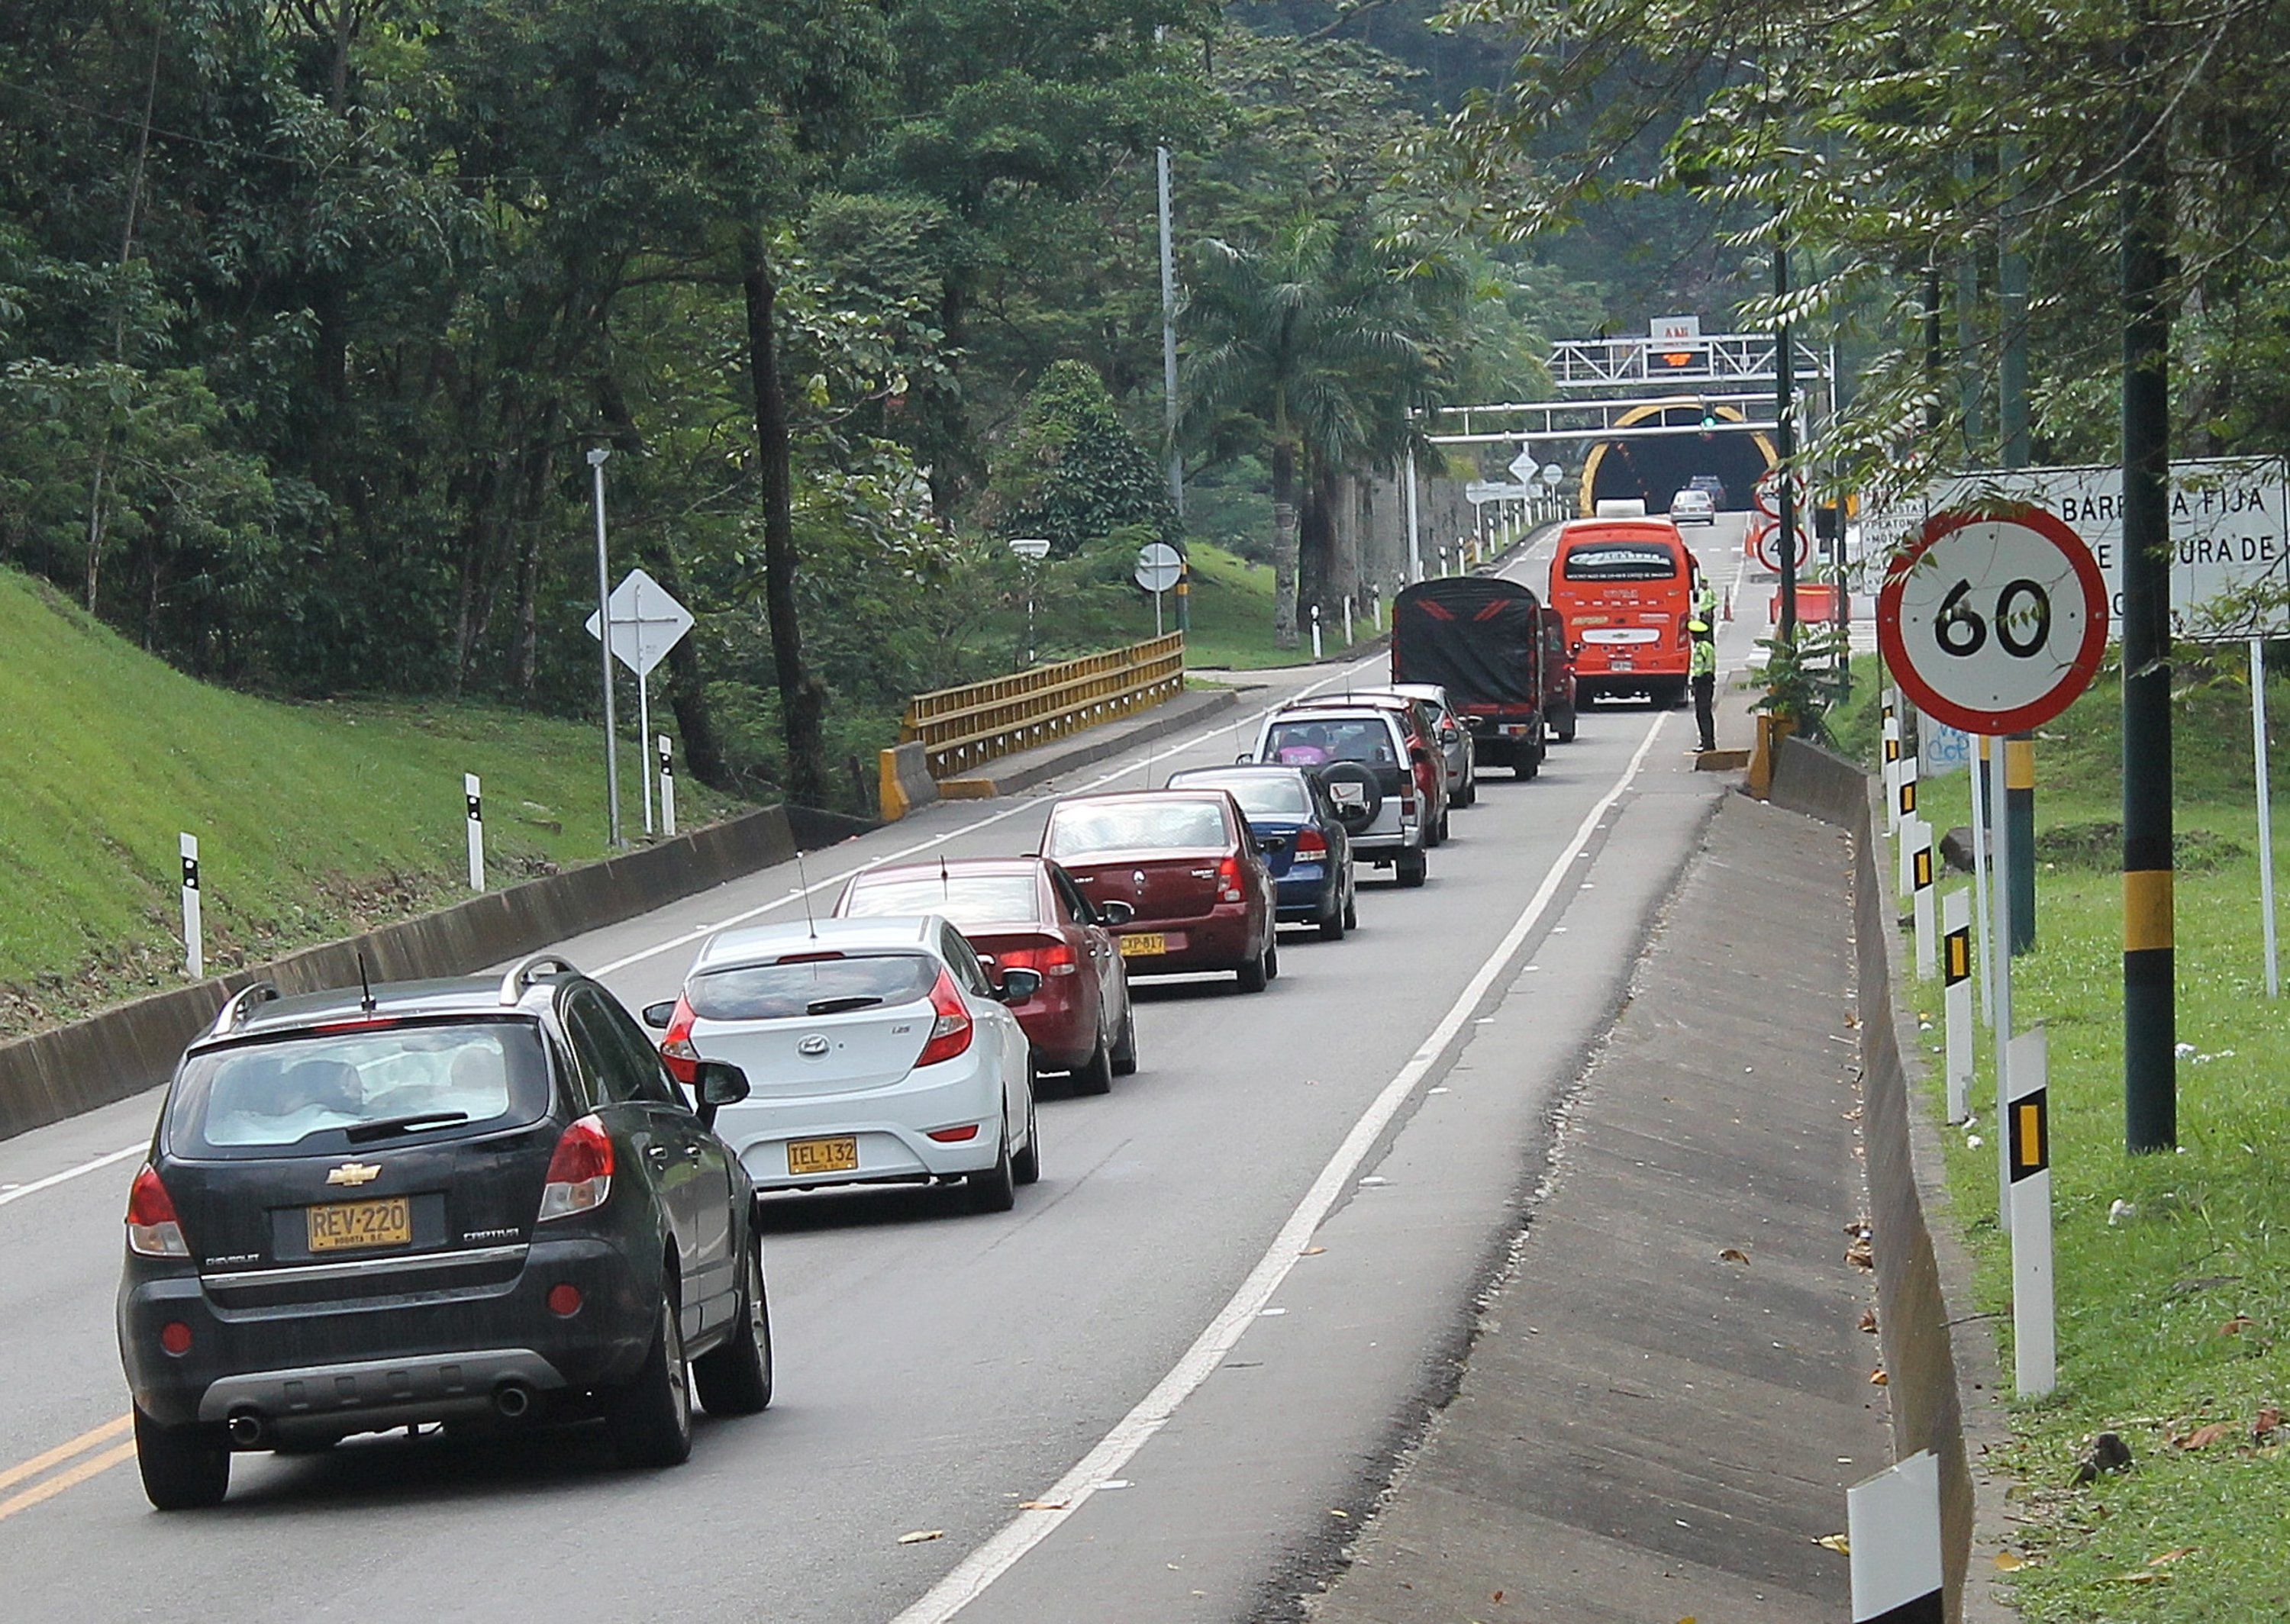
1705	602
1704	661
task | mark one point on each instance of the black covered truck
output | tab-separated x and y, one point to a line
1481	638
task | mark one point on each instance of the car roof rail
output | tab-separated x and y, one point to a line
529	970
240	1005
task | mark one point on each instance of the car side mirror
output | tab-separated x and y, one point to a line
718	1083
1115	913
1266	843
658	1015
1244	760
1019	985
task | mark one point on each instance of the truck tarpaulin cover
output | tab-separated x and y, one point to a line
1475	635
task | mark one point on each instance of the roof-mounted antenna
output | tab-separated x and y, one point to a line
804	881
366	986
945	886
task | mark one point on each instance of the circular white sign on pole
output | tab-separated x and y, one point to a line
1552	474
1993	623
1765	546
1159	566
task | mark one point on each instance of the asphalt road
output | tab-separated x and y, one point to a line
1192	1346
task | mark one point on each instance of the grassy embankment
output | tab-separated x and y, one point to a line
2173	1319
314	821
1232	613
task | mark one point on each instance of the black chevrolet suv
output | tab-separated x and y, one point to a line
480	1202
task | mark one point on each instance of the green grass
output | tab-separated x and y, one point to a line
312	819
1231	615
2175	1317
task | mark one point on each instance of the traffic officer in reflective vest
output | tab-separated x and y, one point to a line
1705	597
1702	668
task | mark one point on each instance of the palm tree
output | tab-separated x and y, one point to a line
1313	336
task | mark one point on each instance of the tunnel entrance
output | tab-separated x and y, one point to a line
1655	469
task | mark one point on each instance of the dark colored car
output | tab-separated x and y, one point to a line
478	1200
1481	638
1558	709
1026	913
1184	861
1301	836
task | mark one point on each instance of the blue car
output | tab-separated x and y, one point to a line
1301	836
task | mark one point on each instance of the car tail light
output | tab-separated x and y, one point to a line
153	1230
580	1172
1311	846
676	1050
961	1135
1056	959
949	1033
1228	881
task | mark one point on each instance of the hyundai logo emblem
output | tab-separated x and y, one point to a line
814	1047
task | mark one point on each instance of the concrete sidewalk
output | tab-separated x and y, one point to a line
1650	1428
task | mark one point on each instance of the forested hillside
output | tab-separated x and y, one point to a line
311	309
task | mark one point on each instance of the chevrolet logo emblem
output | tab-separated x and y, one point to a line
354	1172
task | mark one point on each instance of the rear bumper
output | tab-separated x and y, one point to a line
1303	893
1219	939
353	1365
891	1127
1059	1022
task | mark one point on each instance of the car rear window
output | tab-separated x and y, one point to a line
1621	561
326	1091
1367	739
1263	795
1077	828
967	899
826	984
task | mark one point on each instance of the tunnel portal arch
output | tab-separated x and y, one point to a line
1654	469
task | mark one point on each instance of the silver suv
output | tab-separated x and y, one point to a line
1456	747
1361	754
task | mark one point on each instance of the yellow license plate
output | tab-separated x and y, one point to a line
822	1155
340	1226
1144	944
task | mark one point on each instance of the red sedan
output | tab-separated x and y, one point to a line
1023	913
1186	866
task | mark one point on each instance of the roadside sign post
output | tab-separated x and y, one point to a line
2035	1348
1956	999
1159	567
195	952
473	808
646	624
1892	1525
1982	856
1033	549
2264	769
596	455
666	788
1920	884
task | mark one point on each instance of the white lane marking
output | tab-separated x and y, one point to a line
1153	757
53	1179
976	1572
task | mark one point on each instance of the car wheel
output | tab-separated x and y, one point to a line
1332	928
736	1378
1124	1052
1443	828
1253	978
651	1418
1025	1165
1468	795
1272	957
1351	906
1567	728
1096	1074
185	1468
1414	866
996	1188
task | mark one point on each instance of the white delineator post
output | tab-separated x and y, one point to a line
1905	804
1920	881
667	786
1315	631
1348	620
1981	856
195	952
1892	1521
1956	999
1892	772
2034	1347
2259	753
473	803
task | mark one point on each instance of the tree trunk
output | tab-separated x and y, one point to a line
1283	543
801	702
1315	547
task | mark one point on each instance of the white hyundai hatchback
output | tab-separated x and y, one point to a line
876	1051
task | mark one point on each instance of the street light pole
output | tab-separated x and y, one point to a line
596	455
1785	422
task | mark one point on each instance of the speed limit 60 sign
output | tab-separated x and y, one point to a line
1993	623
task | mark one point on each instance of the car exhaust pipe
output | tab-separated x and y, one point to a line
512	1400
245	1428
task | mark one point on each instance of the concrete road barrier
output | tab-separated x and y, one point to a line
72	1068
906	780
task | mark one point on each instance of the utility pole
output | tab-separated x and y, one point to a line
1169	370
2150	1109
1785	417
1414	543
596	455
2012	425
1967	327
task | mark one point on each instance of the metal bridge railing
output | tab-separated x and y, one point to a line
962	728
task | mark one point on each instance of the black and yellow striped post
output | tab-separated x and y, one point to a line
2028	1164
2019	807
1956	999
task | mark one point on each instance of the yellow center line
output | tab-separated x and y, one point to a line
64	1451
61	1481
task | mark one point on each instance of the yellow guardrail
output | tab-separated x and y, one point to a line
962	729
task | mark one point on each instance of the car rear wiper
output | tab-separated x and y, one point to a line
837	1006
387	1125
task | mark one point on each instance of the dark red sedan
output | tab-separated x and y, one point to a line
1186	863
1024	913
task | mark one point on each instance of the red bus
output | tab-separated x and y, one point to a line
1626	590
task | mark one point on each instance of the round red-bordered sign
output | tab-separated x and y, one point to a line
1763	548
1993	621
